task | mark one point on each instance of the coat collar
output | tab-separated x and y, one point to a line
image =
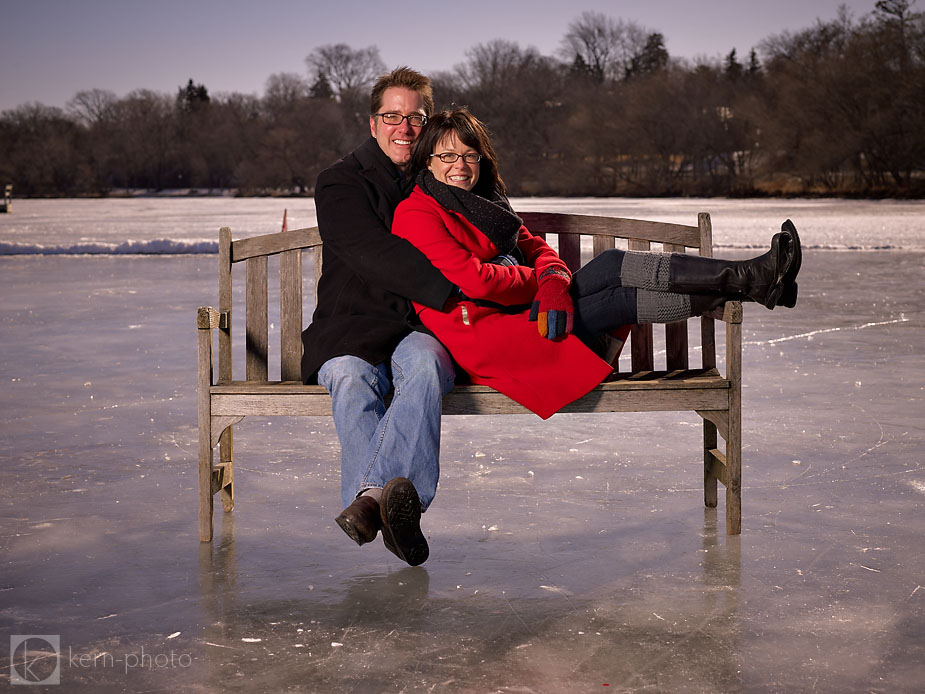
379	170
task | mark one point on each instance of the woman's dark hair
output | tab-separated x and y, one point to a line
472	133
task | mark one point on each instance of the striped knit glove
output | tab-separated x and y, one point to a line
552	307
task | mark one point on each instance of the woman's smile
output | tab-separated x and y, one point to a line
460	173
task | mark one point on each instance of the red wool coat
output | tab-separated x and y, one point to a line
497	349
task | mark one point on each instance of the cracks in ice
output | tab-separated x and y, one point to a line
883	440
811	334
801	336
517	614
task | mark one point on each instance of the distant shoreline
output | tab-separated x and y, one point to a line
182	224
235	193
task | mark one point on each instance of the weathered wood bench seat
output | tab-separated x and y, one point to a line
224	401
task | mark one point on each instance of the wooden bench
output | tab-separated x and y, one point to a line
678	387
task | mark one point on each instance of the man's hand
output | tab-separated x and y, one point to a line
552	307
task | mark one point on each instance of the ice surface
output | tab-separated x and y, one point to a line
190	225
143	224
565	555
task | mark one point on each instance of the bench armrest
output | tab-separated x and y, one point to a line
730	312
732	317
207	318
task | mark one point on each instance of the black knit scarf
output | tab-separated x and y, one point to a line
495	218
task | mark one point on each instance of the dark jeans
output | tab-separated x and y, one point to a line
601	302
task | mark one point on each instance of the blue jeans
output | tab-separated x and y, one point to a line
602	303
379	443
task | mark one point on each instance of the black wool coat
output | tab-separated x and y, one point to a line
368	275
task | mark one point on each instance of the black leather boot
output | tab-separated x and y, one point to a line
760	279
788	297
705	303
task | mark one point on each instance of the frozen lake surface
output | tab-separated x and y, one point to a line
566	556
185	225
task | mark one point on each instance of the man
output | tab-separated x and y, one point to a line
361	344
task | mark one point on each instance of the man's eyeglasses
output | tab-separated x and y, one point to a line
452	157
415	120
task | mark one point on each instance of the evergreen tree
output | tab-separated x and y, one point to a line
754	65
652	58
581	70
321	89
192	97
732	66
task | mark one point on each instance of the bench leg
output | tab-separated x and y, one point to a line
226	446
734	472
205	481
204	414
709	479
734	430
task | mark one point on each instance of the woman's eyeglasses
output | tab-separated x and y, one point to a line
452	157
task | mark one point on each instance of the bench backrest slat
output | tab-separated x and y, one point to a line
257	339
570	250
676	347
568	229
707	329
319	259
642	343
601	244
224	303
290	314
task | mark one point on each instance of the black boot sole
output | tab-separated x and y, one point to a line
788	297
788	228
784	259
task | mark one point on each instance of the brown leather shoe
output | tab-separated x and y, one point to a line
361	519
400	509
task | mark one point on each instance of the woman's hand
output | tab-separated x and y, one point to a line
552	307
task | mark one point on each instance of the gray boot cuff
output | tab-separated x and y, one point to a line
645	270
661	307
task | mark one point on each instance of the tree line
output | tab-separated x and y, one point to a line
837	108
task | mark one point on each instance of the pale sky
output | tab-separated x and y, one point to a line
51	49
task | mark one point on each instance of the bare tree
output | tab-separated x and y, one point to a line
515	92
92	106
897	17
606	46
39	152
144	138
349	71
284	91
496	64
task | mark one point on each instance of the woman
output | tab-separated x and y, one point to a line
521	322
